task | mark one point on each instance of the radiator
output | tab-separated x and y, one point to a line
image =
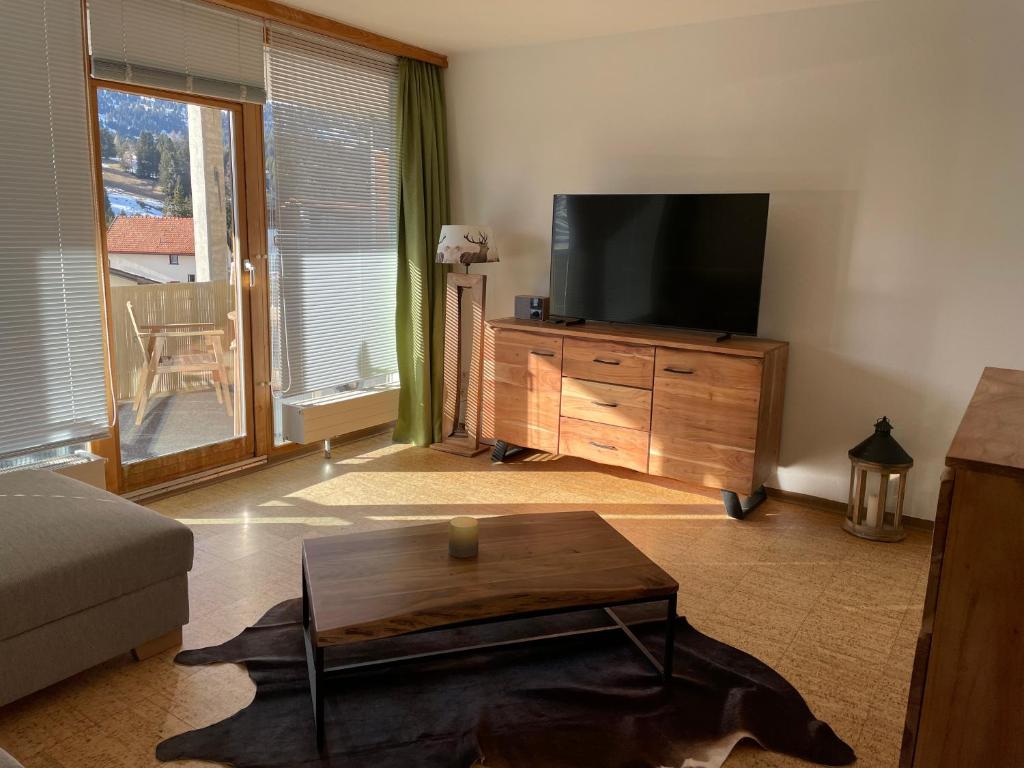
339	414
80	465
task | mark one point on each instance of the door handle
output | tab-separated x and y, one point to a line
607	362
683	371
541	353
603	446
604	405
249	267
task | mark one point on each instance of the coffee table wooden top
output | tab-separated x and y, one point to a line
386	583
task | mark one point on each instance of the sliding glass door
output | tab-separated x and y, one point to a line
241	165
177	277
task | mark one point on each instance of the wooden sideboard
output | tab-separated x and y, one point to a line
966	703
665	402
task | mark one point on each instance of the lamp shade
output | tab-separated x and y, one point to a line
466	244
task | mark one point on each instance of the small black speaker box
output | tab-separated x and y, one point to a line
532	307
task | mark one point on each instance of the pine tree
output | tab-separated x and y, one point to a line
108	145
108	210
175	171
178	204
147	157
126	152
175	176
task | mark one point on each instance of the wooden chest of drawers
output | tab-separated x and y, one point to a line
666	402
965	706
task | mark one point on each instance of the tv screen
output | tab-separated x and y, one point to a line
692	261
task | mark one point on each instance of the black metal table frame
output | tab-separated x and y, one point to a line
319	673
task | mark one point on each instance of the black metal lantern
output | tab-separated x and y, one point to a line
878	486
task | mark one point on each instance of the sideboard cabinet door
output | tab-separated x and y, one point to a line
705	418
527	388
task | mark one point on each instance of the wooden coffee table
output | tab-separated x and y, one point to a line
381	584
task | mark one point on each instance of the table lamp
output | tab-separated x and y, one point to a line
460	422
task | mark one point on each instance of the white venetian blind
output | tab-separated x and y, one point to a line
333	162
51	349
179	45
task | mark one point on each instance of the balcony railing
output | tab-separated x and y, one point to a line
162	304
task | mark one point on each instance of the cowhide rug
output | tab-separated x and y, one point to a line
589	701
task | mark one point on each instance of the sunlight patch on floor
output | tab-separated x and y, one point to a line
246	520
535	458
420	518
390	449
616	516
609	516
482	487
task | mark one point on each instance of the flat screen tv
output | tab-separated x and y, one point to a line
691	261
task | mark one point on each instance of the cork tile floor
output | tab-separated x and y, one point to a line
838	617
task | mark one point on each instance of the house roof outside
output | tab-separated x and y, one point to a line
133	276
167	235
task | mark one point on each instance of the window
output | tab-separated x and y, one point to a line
191	278
172	260
51	348
332	195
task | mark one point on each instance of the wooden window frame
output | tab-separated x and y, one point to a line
269	10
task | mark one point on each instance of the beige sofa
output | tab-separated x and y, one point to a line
84	576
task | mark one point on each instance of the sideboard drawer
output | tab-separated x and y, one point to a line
696	372
631	365
607	444
607	403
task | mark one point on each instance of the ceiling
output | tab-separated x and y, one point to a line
457	26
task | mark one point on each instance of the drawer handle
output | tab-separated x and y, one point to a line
683	371
541	353
604	405
607	362
603	446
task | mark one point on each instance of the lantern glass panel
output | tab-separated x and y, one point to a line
892	496
871	492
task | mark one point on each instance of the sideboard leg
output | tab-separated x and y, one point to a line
503	450
737	509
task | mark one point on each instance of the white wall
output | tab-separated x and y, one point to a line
891	136
155	266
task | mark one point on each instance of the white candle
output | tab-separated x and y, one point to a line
871	518
463	537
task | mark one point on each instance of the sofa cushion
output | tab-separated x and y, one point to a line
66	546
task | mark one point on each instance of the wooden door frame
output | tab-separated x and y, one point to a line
122	478
259	299
259	303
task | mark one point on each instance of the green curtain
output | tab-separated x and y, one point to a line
422	208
